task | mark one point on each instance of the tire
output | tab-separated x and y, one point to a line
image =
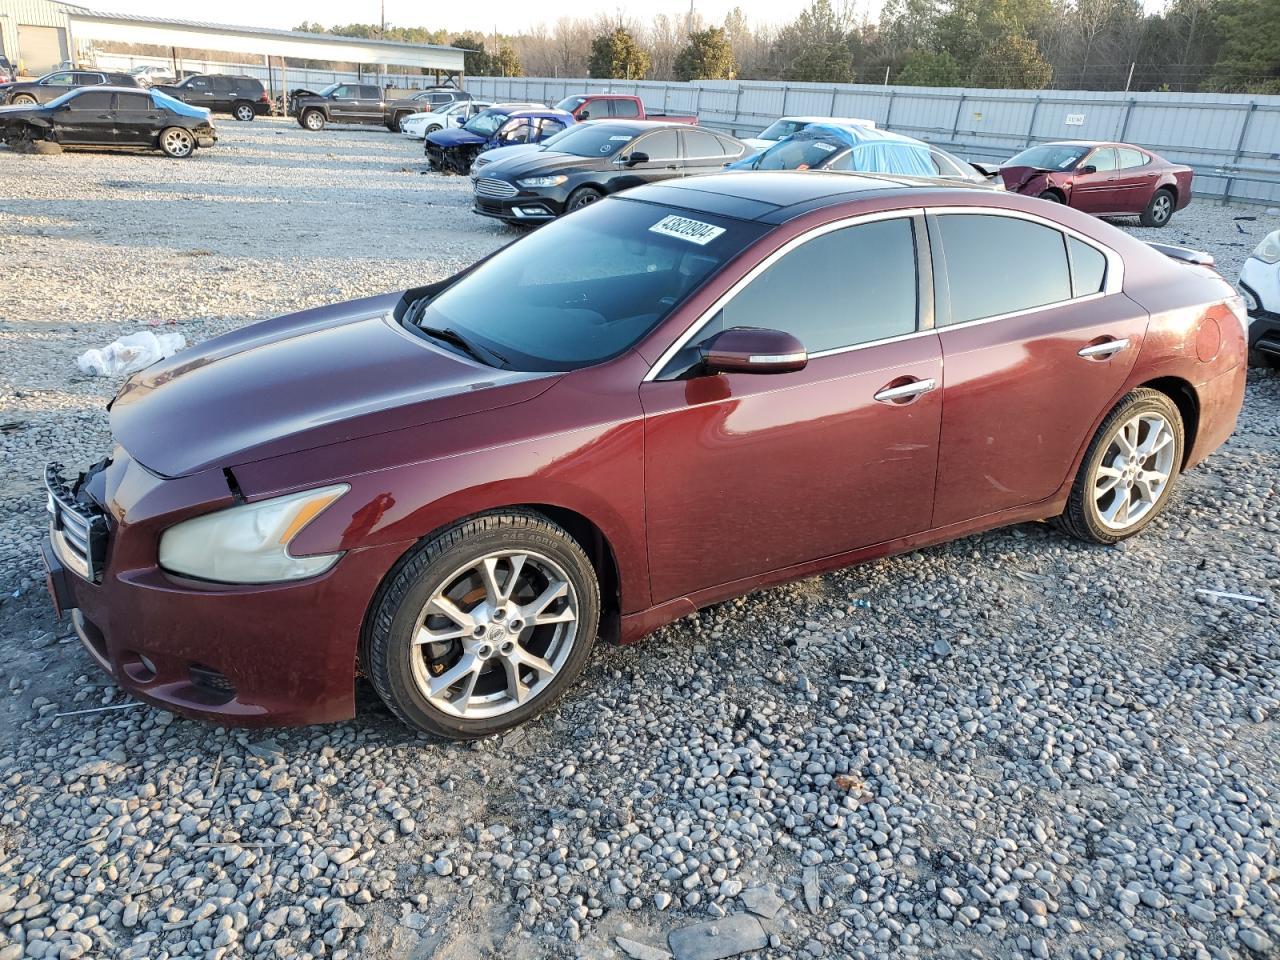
582	197
312	120
1264	361
483	664
396	120
1085	517
177	143
23	100
243	111
1053	196
434	128
1159	209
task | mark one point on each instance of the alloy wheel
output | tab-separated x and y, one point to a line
1162	208
1134	471
244	112
177	143
314	120
494	634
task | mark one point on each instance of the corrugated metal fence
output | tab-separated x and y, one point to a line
1232	141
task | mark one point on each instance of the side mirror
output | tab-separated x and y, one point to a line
584	114
633	158
1088	168
753	350
460	121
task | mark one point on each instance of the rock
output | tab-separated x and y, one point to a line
717	939
640	951
812	892
761	901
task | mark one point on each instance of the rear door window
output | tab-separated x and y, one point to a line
1130	157
624	108
997	265
98	100
370	93
699	145
223	85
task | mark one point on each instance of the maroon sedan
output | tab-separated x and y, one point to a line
1105	179
669	398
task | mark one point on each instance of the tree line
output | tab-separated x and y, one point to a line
1210	45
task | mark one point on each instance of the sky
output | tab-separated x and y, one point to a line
507	16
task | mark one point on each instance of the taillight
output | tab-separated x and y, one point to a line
263	98
1237	306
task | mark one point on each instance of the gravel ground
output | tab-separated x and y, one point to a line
1012	745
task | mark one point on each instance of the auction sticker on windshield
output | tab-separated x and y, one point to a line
682	228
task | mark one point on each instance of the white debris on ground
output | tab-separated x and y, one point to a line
1012	745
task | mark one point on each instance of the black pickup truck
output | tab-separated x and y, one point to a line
364	103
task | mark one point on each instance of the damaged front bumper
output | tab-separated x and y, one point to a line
239	655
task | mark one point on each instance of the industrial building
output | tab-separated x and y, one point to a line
41	35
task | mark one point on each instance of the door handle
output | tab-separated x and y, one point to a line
1101	351
906	391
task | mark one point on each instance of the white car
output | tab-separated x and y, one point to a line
147	75
418	125
786	126
1260	285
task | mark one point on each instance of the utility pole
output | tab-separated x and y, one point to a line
382	20
1130	80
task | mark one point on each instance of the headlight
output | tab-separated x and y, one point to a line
249	543
1268	251
542	181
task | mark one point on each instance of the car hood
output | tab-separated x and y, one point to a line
1024	179
504	154
299	382
23	111
543	161
454	137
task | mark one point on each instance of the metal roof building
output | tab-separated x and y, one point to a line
40	34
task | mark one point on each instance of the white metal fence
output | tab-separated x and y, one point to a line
1231	141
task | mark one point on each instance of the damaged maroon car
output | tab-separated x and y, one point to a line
668	398
1104	179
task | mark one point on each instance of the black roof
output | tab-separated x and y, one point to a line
779	195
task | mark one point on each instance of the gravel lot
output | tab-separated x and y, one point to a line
1012	745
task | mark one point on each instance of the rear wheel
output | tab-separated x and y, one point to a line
1159	209
23	100
177	142
1129	470
483	626
313	120
243	112
582	197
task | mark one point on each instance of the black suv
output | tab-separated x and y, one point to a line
53	85
365	103
242	97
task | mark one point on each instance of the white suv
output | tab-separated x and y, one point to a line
418	125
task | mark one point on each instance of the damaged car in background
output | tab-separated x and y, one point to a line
672	400
110	117
501	126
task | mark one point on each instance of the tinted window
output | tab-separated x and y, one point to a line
595	139
91	100
1103	160
249	88
199	83
588	286
798	154
550	127
370	93
223	85
86	79
698	144
58	80
1000	264
1131	158
660	145
846	287
624	108
134	101
1088	267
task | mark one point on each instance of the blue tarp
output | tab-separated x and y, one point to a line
871	151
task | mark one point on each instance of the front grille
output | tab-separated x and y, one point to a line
494	189
212	683
77	525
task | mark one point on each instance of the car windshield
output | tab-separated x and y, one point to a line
571	103
1050	156
592	139
585	288
485	124
796	155
782	128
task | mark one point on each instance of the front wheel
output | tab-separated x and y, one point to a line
177	142
582	197
1053	196
1129	470
483	626
313	120
23	100
434	128
243	112
1159	209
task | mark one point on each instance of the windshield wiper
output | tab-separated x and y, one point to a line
478	352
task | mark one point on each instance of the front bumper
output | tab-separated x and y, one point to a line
525	206
242	655
1261	285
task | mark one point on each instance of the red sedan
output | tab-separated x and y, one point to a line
666	399
1105	179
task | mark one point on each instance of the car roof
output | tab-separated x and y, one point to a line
776	195
639	125
540	112
860	121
